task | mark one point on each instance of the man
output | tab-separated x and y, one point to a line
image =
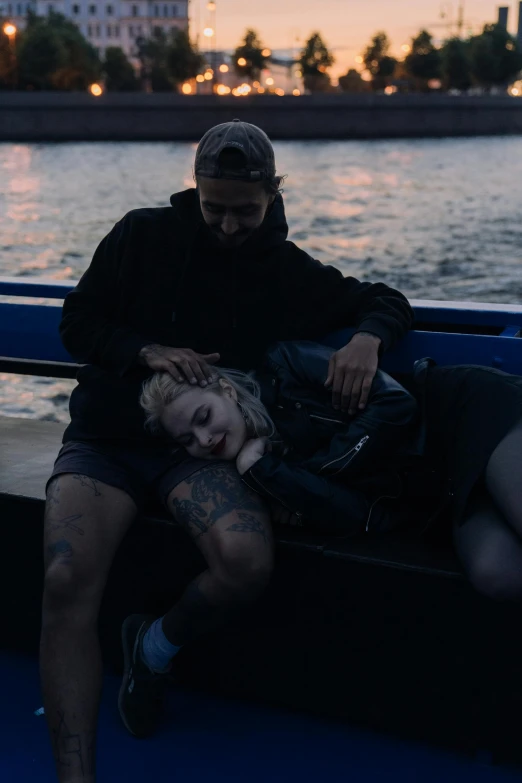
212	278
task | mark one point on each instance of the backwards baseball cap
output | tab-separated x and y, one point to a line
253	144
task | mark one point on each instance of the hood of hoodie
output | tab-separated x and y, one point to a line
270	235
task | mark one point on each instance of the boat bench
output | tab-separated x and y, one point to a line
384	632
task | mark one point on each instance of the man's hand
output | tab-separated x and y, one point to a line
182	363
251	453
351	372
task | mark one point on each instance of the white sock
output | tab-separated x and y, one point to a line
156	649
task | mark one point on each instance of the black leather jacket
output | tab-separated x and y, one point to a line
332	469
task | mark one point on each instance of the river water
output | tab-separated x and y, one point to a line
438	219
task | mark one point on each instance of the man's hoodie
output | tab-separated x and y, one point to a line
160	276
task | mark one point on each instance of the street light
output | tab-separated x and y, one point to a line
208	32
10	30
241	62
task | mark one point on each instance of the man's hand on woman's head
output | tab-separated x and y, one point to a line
183	364
351	372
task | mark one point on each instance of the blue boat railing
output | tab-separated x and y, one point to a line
449	332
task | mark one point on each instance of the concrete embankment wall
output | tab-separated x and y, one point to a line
142	117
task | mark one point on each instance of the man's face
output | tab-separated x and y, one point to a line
232	209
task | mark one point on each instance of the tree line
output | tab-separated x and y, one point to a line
52	54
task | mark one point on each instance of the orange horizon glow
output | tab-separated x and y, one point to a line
347	27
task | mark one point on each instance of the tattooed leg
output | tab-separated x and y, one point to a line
231	527
84	522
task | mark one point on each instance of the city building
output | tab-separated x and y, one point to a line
108	23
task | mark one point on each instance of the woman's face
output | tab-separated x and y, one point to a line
208	424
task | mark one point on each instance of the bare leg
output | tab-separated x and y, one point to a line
231	526
85	521
490	539
490	551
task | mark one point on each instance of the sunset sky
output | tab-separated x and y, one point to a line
346	25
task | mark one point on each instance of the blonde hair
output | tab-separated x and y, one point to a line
162	389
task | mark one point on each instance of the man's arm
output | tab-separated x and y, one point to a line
86	329
318	299
90	335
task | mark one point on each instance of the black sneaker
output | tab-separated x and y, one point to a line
142	693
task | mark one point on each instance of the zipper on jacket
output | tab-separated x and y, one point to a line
325	418
351	454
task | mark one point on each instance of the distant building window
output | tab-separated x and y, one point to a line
98	30
156	10
135	10
109	31
131	31
110	10
117	31
165	10
174	10
92	10
10	9
76	9
19	9
89	30
50	9
139	29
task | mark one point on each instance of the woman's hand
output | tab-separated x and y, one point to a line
251	453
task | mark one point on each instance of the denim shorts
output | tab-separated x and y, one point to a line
148	472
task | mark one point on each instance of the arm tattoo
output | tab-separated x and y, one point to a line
90	483
248	524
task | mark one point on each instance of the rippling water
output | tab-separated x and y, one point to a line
439	219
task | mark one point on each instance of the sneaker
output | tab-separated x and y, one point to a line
142	693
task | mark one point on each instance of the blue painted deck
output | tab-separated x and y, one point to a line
205	739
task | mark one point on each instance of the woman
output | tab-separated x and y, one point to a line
316	467
332	472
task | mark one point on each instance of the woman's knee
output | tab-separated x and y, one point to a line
498	580
243	567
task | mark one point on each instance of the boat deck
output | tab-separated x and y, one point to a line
210	739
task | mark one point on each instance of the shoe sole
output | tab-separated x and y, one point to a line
127	665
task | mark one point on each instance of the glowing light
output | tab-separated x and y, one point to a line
510	45
434	84
9	29
200	78
322	68
223	68
255	85
298	74
366	76
279	91
269	81
514	91
208	75
390	90
208	32
266	52
241	62
186	89
96	90
261	90
296	92
222	89
406	48
211	6
359	59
